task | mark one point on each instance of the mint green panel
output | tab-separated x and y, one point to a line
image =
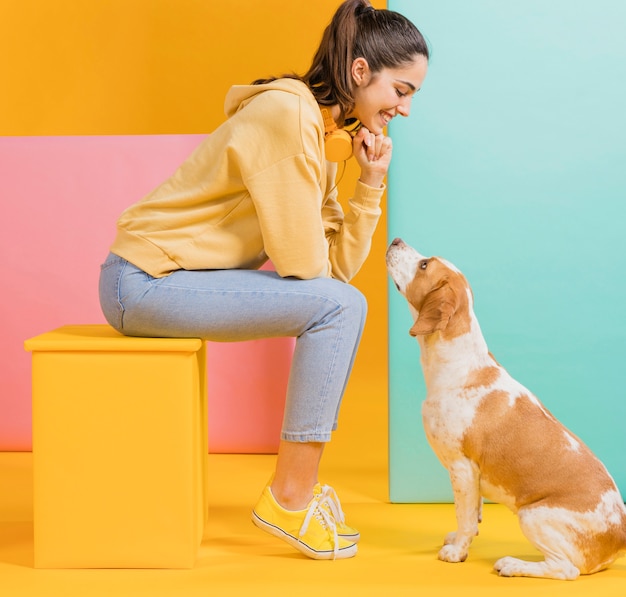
512	165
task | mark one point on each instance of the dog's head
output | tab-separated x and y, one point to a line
437	292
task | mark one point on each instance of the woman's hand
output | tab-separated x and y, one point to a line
373	154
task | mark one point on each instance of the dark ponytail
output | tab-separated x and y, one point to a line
386	39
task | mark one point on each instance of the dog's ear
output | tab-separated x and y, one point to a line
439	305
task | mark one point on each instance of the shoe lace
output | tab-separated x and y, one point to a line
325	518
329	497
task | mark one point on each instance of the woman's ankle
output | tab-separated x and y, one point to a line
291	497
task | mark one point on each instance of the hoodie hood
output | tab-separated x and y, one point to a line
239	95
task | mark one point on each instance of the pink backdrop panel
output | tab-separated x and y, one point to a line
61	197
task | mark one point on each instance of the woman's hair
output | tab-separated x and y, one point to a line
386	39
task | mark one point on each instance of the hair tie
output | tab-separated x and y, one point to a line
365	10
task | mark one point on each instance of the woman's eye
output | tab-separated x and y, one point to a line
423	264
400	93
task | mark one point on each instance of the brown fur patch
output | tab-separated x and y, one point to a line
601	549
524	450
482	378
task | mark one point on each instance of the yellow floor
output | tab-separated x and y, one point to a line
397	554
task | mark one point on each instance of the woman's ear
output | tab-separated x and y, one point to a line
361	73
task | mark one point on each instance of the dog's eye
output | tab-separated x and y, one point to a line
423	264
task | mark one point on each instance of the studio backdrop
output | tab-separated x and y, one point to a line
512	166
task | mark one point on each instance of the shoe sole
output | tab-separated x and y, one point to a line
342	552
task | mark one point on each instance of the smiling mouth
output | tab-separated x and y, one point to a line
386	117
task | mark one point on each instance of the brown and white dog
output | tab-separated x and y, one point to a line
498	441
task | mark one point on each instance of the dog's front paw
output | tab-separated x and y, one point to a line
452	553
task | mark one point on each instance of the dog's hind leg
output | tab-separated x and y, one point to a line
464	477
552	540
556	568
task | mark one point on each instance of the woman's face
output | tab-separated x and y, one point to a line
380	97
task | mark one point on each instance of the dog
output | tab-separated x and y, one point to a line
498	441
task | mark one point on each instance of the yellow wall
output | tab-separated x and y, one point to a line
73	67
142	66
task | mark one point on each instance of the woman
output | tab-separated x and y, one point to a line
185	259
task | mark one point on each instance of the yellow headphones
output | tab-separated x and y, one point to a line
338	142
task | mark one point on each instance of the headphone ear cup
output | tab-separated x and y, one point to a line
337	142
338	145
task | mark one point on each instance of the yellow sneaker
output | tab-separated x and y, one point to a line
311	531
330	502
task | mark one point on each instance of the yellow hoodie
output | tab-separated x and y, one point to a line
258	187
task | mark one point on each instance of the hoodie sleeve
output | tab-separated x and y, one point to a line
304	238
349	236
305	231
288	201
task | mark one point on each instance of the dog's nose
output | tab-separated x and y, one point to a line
396	241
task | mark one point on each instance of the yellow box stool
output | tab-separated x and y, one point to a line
119	449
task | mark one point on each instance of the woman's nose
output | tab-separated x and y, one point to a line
404	107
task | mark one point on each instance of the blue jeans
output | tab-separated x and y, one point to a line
325	315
